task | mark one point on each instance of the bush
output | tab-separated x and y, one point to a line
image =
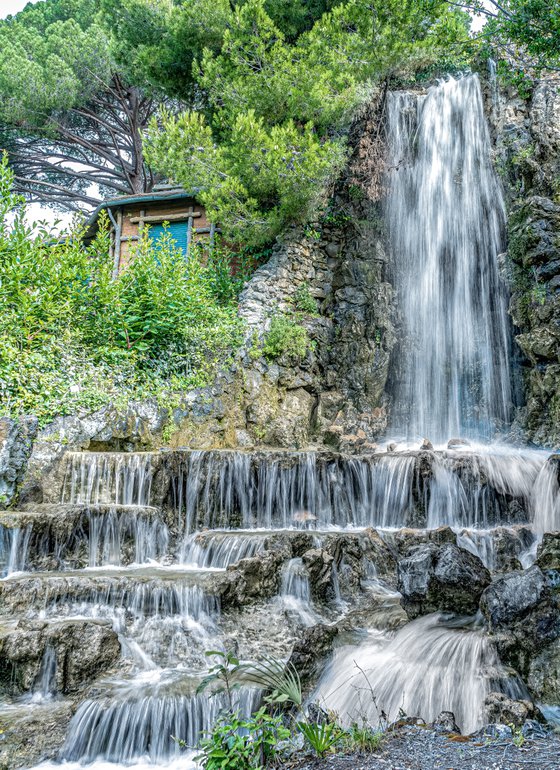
304	301
243	744
286	338
74	338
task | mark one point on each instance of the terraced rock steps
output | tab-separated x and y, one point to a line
112	593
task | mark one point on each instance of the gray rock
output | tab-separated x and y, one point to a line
83	650
548	552
444	578
16	442
510	598
500	709
457	443
445	723
523	612
310	651
319	564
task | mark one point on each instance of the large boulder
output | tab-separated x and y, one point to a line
522	610
319	564
16	442
517	597
443	578
253	578
548	552
310	650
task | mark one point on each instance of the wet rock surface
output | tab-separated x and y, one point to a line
528	147
441	578
81	651
548	552
503	710
16	443
32	734
312	649
523	612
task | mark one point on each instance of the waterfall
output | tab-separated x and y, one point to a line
305	490
14	548
446	219
220	549
295	593
124	731
148	541
107	477
429	666
45	684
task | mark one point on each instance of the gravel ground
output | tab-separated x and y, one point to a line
415	748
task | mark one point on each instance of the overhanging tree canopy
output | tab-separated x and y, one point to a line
71	117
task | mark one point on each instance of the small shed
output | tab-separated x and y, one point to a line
184	217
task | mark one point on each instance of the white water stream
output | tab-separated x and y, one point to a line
446	219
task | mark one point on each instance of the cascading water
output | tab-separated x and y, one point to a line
427	667
147	541
446	219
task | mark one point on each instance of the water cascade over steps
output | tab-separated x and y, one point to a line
152	544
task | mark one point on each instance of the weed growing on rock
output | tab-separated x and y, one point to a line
304	301
286	338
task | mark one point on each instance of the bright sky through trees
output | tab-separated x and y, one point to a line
10	7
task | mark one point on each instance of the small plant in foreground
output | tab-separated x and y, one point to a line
223	676
243	744
517	736
321	737
280	679
361	737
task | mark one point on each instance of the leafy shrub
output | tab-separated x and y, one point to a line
285	337
243	744
74	338
304	301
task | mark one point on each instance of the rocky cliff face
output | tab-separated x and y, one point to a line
334	395
527	144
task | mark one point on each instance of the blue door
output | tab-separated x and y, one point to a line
177	230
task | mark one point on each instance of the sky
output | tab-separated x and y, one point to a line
8	7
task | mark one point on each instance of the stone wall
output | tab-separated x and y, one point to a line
527	145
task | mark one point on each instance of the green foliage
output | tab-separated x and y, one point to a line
286	338
323	737
281	680
527	30
223	677
256	182
517	736
270	137
304	301
361	737
243	744
74	338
